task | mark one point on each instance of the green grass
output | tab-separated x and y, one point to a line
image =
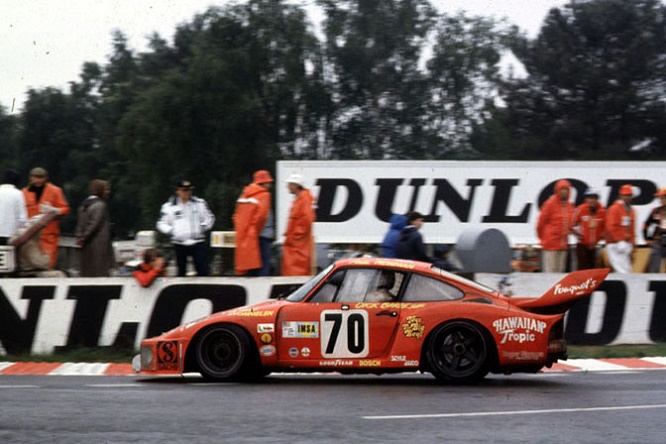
616	351
125	356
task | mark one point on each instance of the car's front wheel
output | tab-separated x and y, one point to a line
458	352
223	353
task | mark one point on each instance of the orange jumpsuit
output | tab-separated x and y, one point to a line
252	208
51	195
298	243
555	221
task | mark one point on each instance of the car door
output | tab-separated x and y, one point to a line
339	322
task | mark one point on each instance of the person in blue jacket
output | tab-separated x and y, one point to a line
389	246
410	244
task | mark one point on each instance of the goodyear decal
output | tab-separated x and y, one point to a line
413	328
300	329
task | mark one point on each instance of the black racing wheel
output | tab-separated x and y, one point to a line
458	352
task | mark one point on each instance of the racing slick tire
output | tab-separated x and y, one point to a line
458	352
224	353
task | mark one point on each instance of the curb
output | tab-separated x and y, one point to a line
102	369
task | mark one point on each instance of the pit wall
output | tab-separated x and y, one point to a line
50	315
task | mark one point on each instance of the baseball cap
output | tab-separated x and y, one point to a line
262	176
183	183
626	190
38	172
660	193
297	179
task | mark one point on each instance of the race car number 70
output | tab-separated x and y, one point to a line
344	333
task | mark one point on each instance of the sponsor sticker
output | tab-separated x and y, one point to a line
267	350
300	329
413	327
265	328
266	338
305	351
167	355
518	329
293	352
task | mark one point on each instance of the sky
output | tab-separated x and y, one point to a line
45	43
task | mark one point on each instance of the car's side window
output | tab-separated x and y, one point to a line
355	285
424	289
328	291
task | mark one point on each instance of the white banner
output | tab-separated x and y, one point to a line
356	198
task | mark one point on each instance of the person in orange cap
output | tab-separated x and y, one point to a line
255	227
554	226
654	232
298	242
41	197
620	234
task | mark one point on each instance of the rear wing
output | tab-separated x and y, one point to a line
561	296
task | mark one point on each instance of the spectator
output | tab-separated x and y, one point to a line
620	235
654	232
151	268
298	242
12	206
389	246
553	228
186	219
589	219
42	197
254	227
410	244
93	232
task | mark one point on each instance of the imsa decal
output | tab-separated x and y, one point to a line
300	329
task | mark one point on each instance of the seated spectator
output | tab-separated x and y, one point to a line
153	265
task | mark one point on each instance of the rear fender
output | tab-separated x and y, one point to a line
561	296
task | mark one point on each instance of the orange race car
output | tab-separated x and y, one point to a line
372	315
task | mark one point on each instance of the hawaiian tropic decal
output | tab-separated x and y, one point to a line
413	328
518	329
344	334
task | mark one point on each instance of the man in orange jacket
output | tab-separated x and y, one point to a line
298	243
620	231
554	226
589	219
42	196
252	216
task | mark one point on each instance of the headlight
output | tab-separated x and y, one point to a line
146	357
136	363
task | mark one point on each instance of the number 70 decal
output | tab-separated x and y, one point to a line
344	333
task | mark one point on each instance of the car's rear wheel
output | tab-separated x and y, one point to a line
223	353
458	352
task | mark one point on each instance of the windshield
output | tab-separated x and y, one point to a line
303	291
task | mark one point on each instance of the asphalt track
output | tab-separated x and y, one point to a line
584	406
109	369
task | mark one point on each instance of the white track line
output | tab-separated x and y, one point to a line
519	412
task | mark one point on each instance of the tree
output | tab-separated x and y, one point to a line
596	82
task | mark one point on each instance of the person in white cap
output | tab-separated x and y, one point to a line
298	243
620	231
589	219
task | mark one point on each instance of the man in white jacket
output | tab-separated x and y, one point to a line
13	211
187	219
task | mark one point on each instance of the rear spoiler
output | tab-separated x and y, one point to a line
565	293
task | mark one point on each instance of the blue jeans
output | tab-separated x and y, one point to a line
265	244
199	253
